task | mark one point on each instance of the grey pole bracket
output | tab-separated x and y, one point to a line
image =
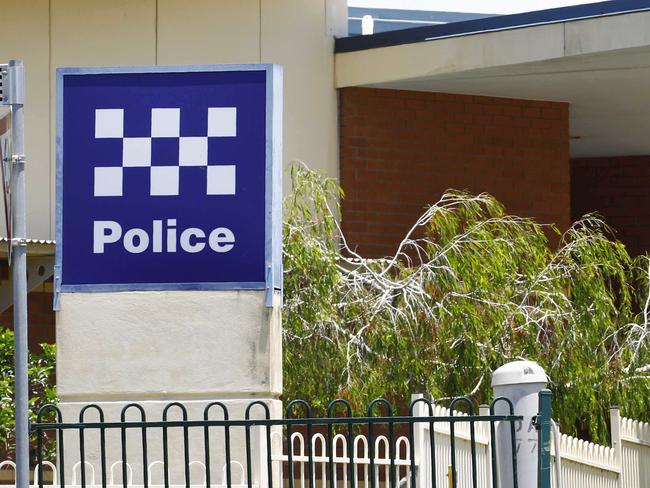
13	84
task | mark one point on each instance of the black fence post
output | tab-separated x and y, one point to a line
543	424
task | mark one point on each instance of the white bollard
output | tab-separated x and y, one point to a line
367	25
520	382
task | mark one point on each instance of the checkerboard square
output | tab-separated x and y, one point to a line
193	151
221	180
165	122
164	151
222	121
136	151
164	180
108	182
109	123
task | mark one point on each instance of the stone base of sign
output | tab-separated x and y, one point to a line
167	345
175	445
154	348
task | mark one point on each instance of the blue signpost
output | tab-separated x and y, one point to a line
169	178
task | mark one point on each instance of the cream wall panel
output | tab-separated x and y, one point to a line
100	33
337	17
208	31
295	35
25	35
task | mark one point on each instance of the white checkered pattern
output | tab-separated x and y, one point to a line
192	151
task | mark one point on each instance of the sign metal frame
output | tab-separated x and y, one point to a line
273	185
6	163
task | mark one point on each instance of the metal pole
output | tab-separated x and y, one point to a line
19	273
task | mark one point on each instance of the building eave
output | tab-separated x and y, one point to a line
490	24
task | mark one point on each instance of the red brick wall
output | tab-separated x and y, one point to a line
40	319
616	187
40	316
400	150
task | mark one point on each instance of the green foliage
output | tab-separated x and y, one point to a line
41	387
481	288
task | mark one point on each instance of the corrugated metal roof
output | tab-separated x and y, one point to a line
35	247
32	241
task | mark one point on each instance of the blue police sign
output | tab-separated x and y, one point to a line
169	178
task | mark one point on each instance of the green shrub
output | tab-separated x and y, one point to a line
41	386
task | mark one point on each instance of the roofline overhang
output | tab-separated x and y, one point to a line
527	50
490	24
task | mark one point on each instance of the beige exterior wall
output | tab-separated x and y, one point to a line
26	32
296	34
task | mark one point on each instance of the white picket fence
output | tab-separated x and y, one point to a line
626	464
360	459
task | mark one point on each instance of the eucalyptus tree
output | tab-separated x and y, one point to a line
468	289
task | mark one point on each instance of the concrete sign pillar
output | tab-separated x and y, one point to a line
168	275
154	348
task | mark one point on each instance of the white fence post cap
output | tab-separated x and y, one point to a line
519	372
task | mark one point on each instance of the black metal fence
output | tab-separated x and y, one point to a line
207	451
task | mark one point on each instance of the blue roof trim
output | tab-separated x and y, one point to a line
489	24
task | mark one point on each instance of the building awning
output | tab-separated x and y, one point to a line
487	23
595	57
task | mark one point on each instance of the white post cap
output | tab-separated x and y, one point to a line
519	372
